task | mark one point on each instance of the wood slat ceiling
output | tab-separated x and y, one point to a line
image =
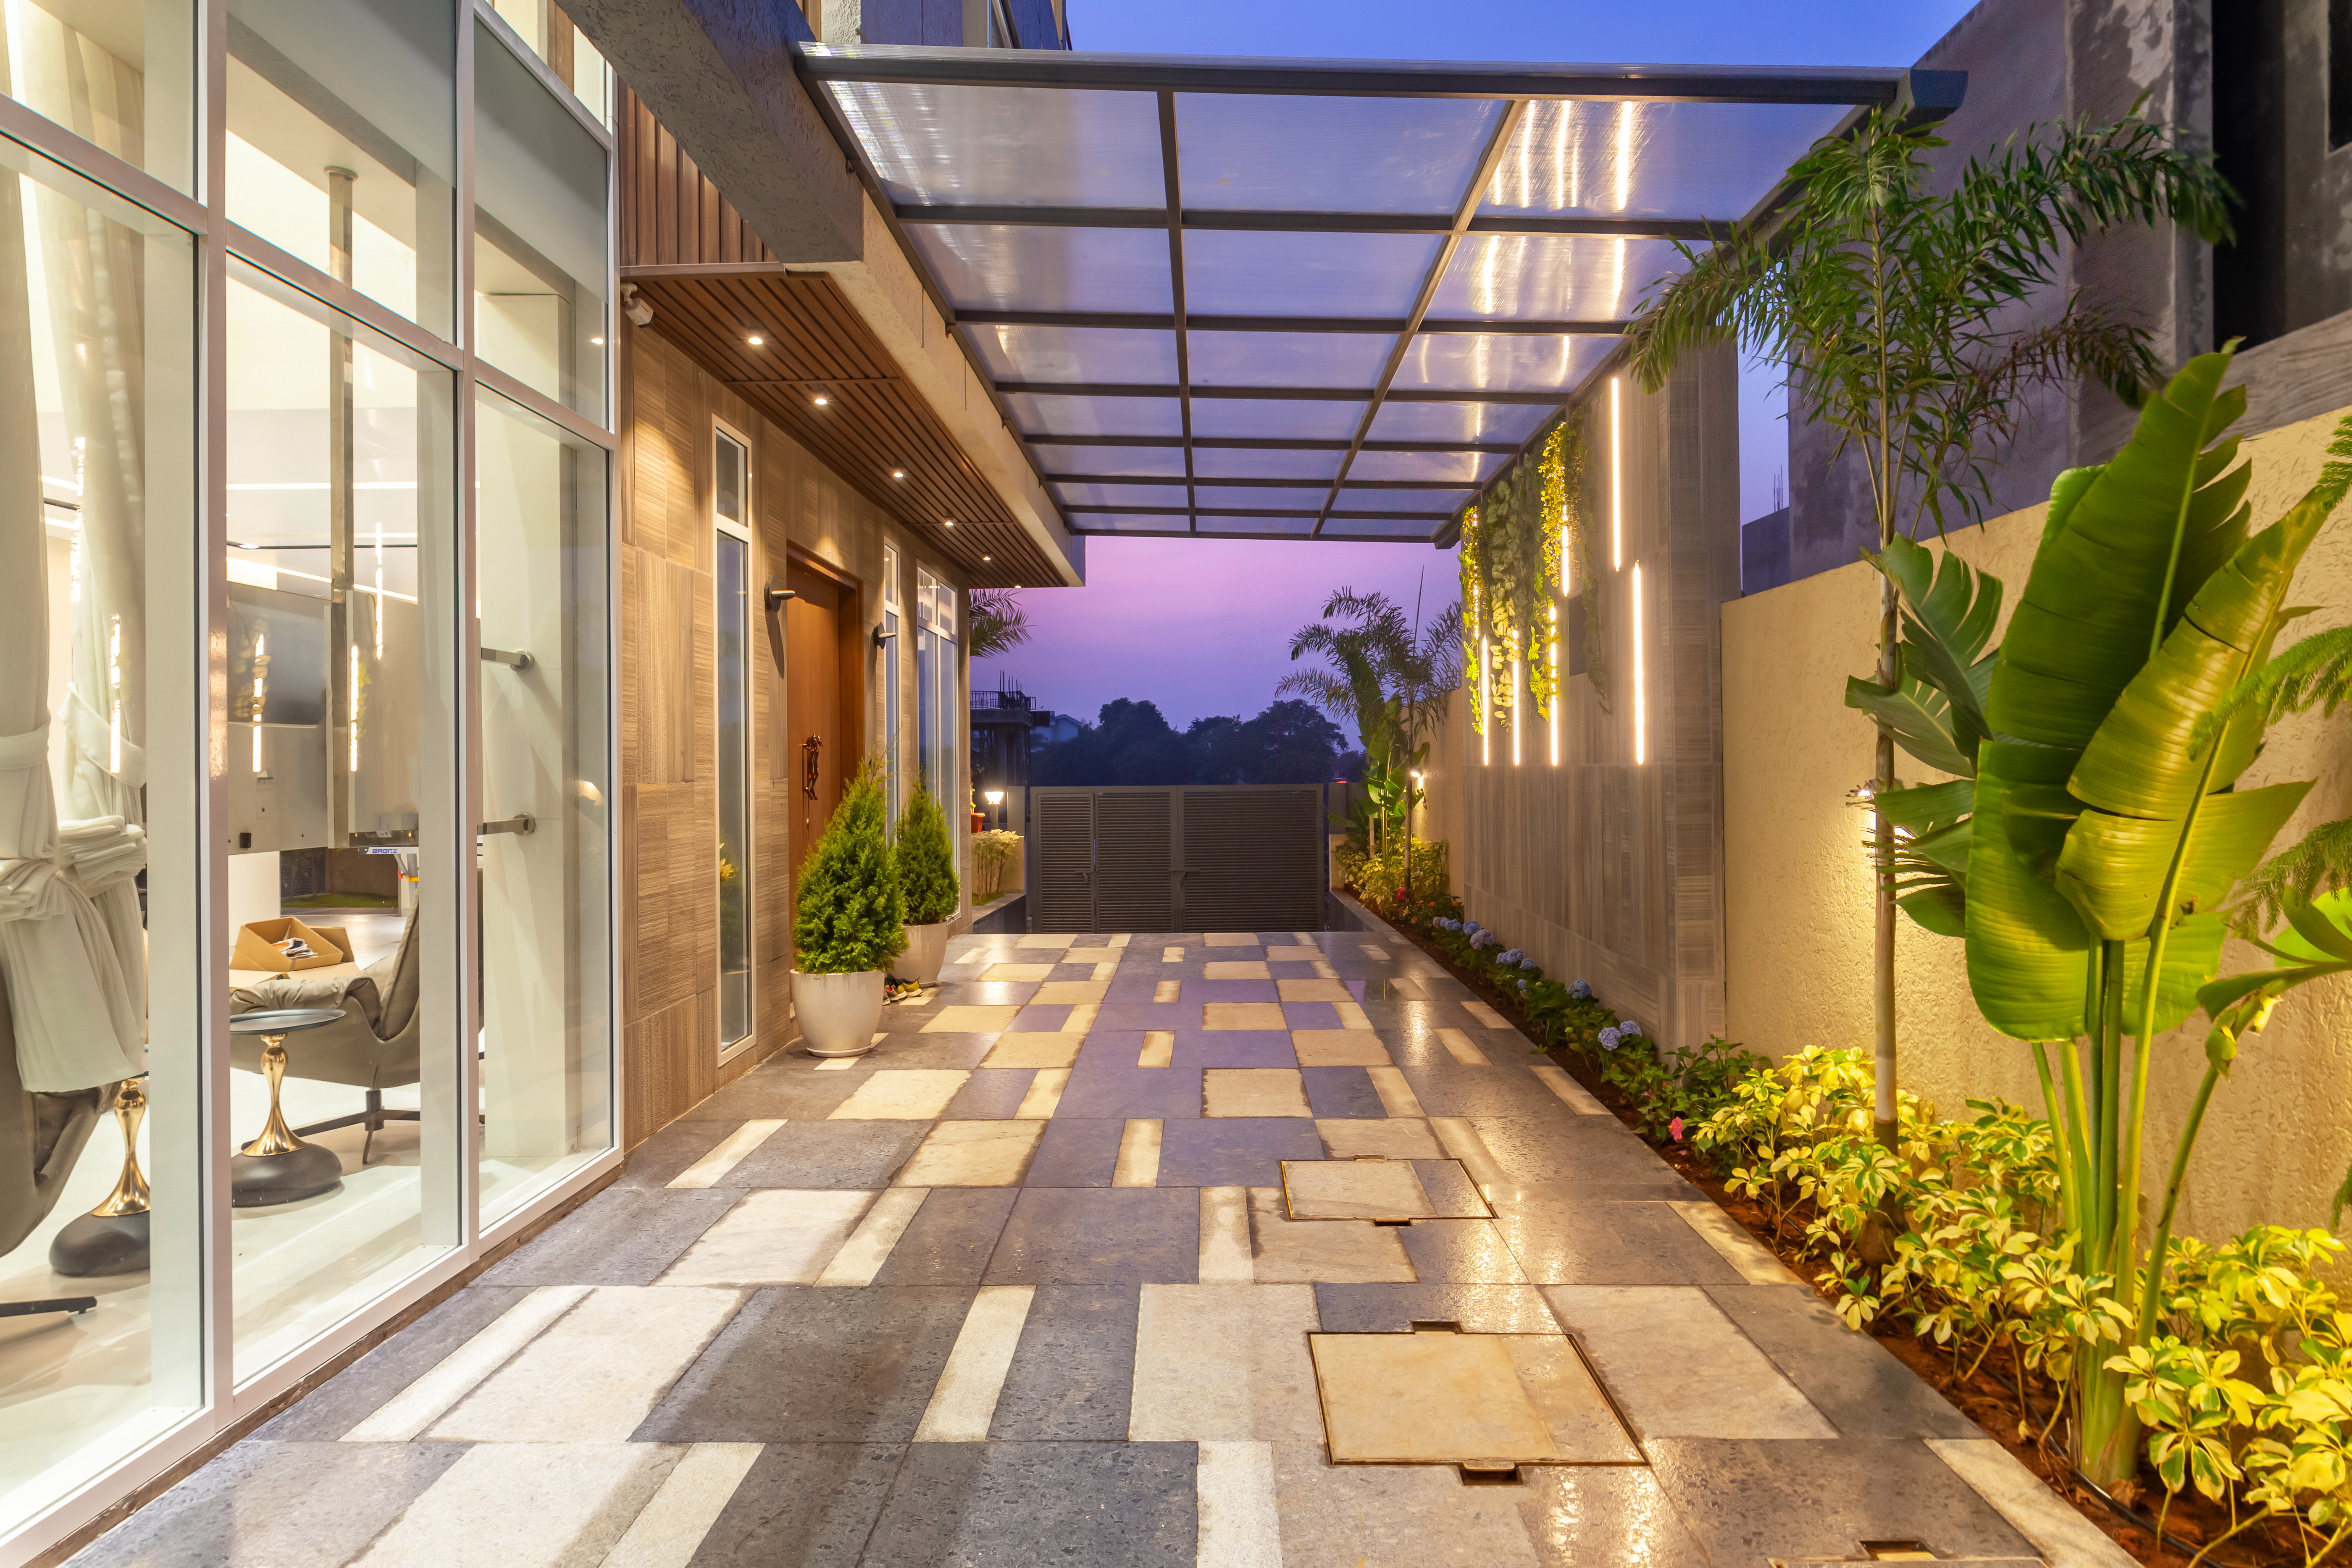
873	422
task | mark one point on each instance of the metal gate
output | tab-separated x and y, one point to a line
1179	859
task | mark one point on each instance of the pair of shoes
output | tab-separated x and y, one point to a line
897	990
295	949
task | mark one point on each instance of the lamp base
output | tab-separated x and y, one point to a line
94	1244
257	1181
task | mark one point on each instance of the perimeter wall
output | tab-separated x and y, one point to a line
2279	1135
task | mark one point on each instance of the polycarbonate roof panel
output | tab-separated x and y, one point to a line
1123	495
1005	267
1269	153
1462	468
1501	362
1243	463
1372	197
1076	353
1276	419
1160	462
1568	159
1050	413
1260	498
1288	273
1472	423
1281	527
937	145
1289	359
1551	277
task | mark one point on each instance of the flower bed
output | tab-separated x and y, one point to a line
2247	1399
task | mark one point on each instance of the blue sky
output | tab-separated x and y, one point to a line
1202	627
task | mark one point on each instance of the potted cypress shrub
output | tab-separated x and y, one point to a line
927	875
847	927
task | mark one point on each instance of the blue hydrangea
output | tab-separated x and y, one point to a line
1473	927
1515	958
1484	940
1582	990
1611	1040
1447	925
1630	1029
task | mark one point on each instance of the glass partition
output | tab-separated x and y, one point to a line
540	251
118	73
100	1211
343	141
548	33
731	571
340	535
545	875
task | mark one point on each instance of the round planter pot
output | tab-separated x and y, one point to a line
838	1012
927	949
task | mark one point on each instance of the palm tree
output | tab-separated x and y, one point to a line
1894	308
1386	677
996	622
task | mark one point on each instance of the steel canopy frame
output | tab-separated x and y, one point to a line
1515	88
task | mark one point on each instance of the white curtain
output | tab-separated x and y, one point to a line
78	1010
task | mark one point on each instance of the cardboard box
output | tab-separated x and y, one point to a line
257	940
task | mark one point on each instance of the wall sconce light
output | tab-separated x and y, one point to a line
1641	678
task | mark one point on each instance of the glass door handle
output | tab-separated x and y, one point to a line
523	822
501	656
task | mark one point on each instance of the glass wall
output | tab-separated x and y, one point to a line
99	1107
887	674
306	858
732	567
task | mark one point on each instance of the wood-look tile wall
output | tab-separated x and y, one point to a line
669	803
1603	868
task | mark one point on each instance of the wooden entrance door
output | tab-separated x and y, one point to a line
811	736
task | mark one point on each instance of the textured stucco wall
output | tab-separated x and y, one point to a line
2279	1134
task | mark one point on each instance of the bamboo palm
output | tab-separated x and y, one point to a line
1889	306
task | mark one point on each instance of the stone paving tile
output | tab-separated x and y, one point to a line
272	1502
1076	1152
803	1505
1167	1093
859	1155
1561	1154
1081	1236
1225	1362
1559	1241
794	1094
1342	1093
1254	1092
1011	1505
623	1235
1460	1251
972	1154
928	1049
1679	1368
1394	1309
1198	1048
1369	1132
1073	1370
990	1093
1849	1376
1501	1092
1234	1152
1745	1500
814	1363
1286	1251
358	1390
663	1157
1393	1515
1593	1516
951	1239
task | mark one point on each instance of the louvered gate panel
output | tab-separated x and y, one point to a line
1253	859
1134	866
1061	860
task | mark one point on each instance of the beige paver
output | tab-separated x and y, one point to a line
1241	1015
972	1154
1254	1092
1340	1048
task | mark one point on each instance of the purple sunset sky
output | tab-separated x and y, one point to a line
1204	626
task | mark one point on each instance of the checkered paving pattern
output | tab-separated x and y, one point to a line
1024	1285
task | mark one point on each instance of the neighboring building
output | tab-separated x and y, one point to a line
2264	86
1003	722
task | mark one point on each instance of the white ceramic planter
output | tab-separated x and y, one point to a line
838	1012
927	949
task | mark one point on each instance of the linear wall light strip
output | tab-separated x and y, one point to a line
1641	678
1486	700
1616	474
1551	655
1517	664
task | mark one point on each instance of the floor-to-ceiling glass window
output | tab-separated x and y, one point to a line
546	1100
927	706
101	1227
306	758
731	577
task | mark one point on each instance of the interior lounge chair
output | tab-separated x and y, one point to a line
41	1137
374	1048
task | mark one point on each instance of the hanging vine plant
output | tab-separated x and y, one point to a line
1474	598
1512	555
1577	507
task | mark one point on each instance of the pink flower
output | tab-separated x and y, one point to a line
1676	1127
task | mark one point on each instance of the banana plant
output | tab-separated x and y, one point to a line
2106	835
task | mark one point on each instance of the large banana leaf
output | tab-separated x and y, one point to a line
2027	950
2125	550
2317	943
2113	868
